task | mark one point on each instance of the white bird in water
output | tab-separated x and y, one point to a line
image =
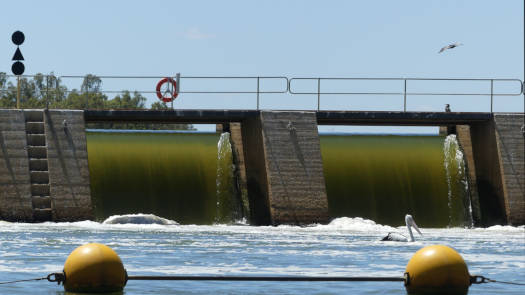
450	46
409	220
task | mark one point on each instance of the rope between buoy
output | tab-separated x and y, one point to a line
26	280
503	282
58	277
484	280
268	279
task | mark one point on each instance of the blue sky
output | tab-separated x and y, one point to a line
376	38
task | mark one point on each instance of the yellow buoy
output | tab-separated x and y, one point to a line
94	268
437	269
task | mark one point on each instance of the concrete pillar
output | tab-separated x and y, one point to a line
511	149
240	167
15	186
498	148
256	178
68	165
488	176
443	131
284	168
446	130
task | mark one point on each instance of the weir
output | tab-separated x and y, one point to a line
283	167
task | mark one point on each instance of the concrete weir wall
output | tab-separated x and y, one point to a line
284	168
68	165
15	185
510	142
44	173
495	157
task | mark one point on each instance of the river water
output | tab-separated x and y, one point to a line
185	177
345	247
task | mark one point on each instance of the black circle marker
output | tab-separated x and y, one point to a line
18	68
18	38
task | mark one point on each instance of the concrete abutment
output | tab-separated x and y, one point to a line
44	173
494	151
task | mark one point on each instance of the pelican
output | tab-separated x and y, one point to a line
450	46
401	238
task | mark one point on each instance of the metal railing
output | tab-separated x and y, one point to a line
287	86
406	93
257	91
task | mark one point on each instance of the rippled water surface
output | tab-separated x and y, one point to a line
345	247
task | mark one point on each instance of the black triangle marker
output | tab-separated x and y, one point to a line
18	55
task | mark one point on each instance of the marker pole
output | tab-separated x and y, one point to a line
18	92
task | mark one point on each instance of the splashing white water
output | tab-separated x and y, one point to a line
355	224
139	218
228	207
457	182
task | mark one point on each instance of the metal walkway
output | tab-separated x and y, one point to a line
323	117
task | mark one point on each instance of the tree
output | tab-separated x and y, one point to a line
6	98
91	96
29	96
126	101
91	83
3	81
55	93
159	106
42	91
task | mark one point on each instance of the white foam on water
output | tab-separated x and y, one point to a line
355	224
336	226
139	218
505	228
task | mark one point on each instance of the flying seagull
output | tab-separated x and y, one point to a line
453	45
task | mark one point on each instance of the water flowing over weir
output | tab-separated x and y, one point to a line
171	175
384	177
229	204
189	177
457	183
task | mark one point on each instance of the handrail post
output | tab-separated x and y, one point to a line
57	86
47	92
57	93
405	97
87	92
318	94
177	84
491	94
258	78
172	90
18	91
